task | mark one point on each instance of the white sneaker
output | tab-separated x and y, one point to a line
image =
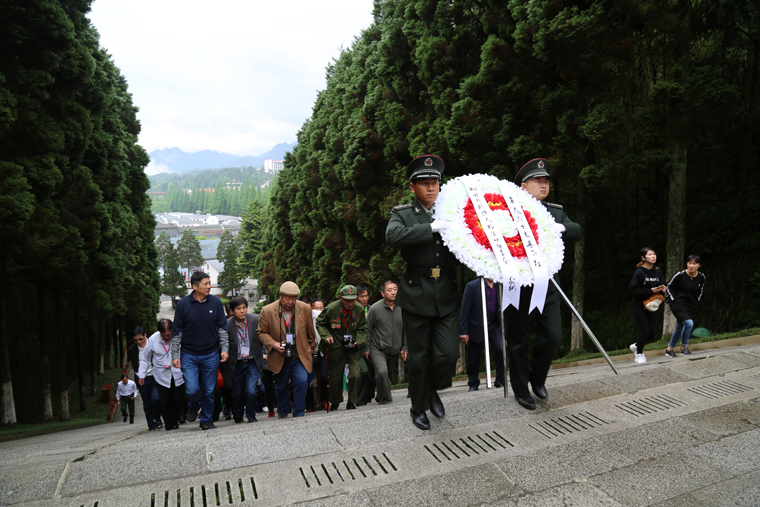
633	349
641	358
265	409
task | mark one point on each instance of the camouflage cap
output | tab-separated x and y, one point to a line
348	292
425	166
289	289
536	168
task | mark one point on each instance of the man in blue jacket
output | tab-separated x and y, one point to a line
198	334
471	330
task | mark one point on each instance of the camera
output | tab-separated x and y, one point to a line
288	350
349	341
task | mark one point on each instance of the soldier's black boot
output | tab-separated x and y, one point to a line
436	405
420	420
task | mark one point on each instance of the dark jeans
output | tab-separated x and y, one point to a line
172	403
151	401
200	372
245	389
647	324
268	381
475	352
296	370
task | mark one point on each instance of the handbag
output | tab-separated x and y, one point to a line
654	302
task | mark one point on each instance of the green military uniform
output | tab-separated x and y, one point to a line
427	292
385	340
520	324
333	322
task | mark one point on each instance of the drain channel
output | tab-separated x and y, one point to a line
231	492
333	472
720	389
466	447
565	425
650	405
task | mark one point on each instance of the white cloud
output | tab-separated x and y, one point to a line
234	76
153	168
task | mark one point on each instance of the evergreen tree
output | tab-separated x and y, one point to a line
172	283
189	252
228	252
251	237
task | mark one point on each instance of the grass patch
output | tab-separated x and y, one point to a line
95	412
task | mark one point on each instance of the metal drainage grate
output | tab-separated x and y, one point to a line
465	447
220	493
93	505
651	405
346	470
756	376
720	389
565	425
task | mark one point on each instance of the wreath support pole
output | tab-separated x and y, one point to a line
485	331
585	326
503	338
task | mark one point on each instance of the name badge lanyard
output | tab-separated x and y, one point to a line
244	348
287	323
167	362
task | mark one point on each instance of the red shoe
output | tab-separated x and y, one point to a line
271	413
326	405
309	410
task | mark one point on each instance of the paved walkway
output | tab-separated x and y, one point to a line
671	432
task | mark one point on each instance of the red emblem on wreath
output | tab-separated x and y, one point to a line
497	202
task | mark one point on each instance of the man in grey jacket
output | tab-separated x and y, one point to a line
386	339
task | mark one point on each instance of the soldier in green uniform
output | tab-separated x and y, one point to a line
341	329
427	290
534	178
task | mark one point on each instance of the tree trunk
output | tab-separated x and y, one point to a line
102	340
62	356
579	275
676	227
80	359
461	362
677	194
94	355
8	405
47	399
401	370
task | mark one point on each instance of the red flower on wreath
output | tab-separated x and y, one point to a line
497	202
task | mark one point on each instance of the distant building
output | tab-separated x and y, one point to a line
273	166
200	224
234	184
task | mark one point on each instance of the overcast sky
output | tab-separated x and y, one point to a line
236	76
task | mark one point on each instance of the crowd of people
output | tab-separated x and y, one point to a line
300	354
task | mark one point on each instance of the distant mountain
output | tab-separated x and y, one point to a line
178	161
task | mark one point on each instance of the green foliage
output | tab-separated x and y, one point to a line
228	252
189	251
250	236
172	283
73	202
607	91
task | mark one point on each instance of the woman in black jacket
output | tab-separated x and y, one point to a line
684	291
648	280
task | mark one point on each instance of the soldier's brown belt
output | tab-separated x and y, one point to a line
431	272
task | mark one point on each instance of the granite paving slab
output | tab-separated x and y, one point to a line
647	482
578	494
360	499
573	394
29	481
469	486
656	439
728	419
557	465
706	366
742	491
750	360
647	376
737	454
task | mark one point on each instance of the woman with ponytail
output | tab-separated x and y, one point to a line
648	289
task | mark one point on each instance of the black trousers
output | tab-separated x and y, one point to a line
646	321
476	350
172	403
433	345
520	325
267	377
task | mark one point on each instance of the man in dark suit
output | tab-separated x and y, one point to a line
533	177
248	355
471	329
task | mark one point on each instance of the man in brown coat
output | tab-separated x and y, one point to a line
287	331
